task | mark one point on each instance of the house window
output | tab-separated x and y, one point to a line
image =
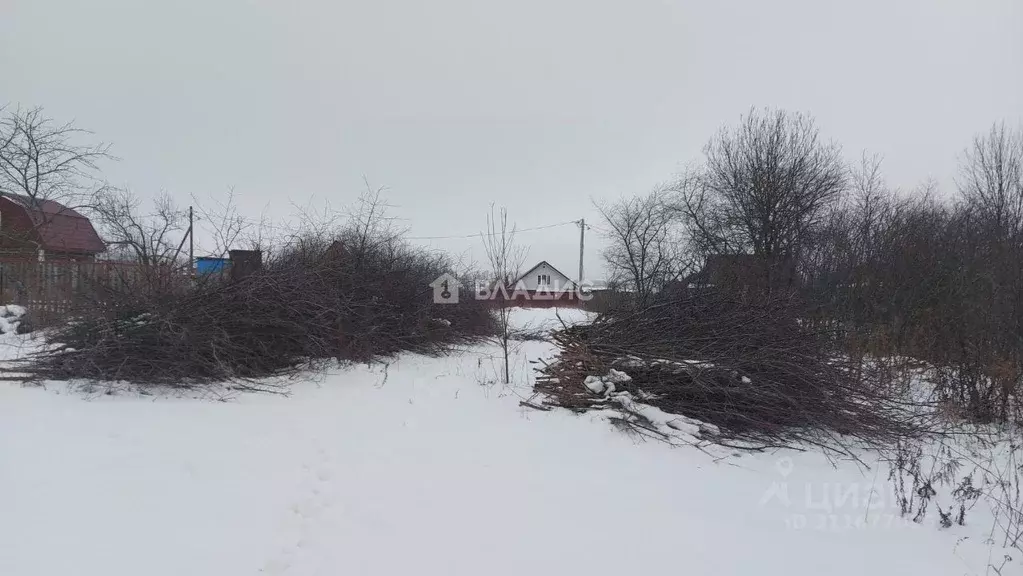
543	279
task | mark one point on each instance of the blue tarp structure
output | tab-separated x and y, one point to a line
204	266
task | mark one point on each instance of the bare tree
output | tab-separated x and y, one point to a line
150	238
643	252
42	160
991	177
221	222
505	258
766	187
855	232
849	256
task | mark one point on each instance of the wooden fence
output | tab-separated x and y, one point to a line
54	291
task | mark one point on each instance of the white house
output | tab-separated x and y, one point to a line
545	278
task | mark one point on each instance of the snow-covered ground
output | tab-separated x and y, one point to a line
546	319
420	466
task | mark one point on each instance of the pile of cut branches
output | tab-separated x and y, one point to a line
746	365
310	303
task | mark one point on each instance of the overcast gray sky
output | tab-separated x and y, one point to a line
539	105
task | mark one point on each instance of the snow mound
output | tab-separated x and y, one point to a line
606	384
673	428
12	310
595	384
10	318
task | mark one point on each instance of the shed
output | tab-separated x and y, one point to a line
245	263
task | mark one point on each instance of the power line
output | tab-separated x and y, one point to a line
478	234
275	227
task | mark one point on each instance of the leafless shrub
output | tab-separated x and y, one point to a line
933	280
743	363
953	475
354	298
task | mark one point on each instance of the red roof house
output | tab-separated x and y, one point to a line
47	229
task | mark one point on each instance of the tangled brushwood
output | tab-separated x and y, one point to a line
748	366
314	301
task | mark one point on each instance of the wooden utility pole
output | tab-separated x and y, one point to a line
582	239
191	241
191	245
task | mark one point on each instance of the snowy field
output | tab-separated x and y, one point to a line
424	466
